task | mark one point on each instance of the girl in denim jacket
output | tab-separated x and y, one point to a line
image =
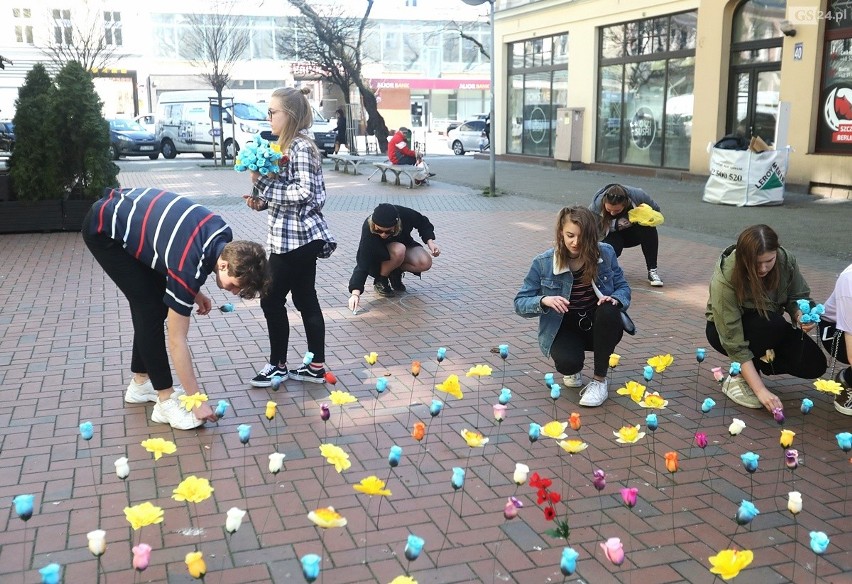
573	318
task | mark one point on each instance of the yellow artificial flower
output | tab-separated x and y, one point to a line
728	563
143	514
479	371
654	401
403	580
645	215
159	447
828	386
555	430
635	390
327	517
629	434
193	490
769	357
372	485
275	147
341	398
614	360
192	401
573	446
474	439
451	386
271	406
195	564
371	358
787	438
335	455
660	362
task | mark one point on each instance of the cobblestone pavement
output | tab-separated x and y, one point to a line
64	358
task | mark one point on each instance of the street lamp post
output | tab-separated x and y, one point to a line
492	178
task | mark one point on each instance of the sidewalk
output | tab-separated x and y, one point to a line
65	350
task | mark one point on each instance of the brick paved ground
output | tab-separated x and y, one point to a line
64	355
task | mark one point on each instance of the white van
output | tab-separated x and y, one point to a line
322	131
184	123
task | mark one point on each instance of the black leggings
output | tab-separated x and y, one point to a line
599	331
636	235
796	353
144	289
294	272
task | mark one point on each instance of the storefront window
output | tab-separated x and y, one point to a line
834	128
645	91
538	85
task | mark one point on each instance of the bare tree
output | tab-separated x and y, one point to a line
457	27
342	40
83	36
216	41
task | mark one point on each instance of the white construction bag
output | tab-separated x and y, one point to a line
745	178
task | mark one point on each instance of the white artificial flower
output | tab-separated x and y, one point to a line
521	472
97	542
234	520
276	460
794	502
736	427
122	469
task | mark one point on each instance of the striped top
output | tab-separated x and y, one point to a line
582	295
168	233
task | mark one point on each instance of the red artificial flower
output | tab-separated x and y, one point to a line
554	497
330	377
549	513
535	480
542	496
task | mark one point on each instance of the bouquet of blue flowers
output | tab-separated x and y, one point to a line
259	155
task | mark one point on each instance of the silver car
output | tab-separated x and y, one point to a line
469	136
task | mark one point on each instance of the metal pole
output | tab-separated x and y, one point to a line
492	160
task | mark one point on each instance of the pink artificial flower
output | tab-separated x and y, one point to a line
628	495
613	550
701	439
499	412
718	375
510	511
141	556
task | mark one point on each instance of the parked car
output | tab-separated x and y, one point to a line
466	137
127	138
7	136
147	121
453	125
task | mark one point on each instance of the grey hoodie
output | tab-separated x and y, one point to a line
636	197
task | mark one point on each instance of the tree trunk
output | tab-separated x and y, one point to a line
375	122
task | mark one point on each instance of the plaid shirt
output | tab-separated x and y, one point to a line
296	197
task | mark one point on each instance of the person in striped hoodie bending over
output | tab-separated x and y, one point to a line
159	247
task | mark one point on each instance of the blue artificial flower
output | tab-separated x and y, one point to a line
651	422
244	431
311	566
735	368
700	354
648	373
818	310
568	563
227	307
535	431
458	478
819	542
87	430
442	353
555	391
504	351
276	381
548	379
308	358
394	456
750	461
707	404
844	441
221	408
381	384
24	506
413	547
807	405
436	407
258	155
746	512
51	574
505	396
804	305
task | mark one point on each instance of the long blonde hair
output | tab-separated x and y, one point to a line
294	104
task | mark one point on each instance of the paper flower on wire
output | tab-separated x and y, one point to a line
372	485
276	381
728	563
327	517
276	461
227	307
700	355
192	490
635	390
555	391
122	468
769	356
51	574
192	401
325	413
629	495
510	510
521	473
648	373
330	378
614	360
505	396
97	542
381	384
810	315
403	579
599	479
234	519
735	368
141	557
660	362
807	405
844	441
451	386
555	430
548	379
707	404
335	455
568	561
573	446
629	434
787	438
746	513
613	550
504	351
819	542
310	566
158	447
24	506
671	461
534	432
499	411
143	514
457	480
415	368
791	459
701	440
394	456
736	427
341	398
574	421
436	407
371	358
479	371
794	502
244	432
654	401
413	547
750	461
473	439
718	375
441	354
258	155
271	407
195	565
308	358
87	430
828	386
221	408
645	215
419	431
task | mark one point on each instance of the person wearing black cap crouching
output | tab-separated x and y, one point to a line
386	250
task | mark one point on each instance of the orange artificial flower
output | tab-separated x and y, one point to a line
574	420
671	461
415	368
419	431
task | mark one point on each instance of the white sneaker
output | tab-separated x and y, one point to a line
140	393
594	394
575	380
654	278
171	412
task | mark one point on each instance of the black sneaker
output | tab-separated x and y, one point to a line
265	375
382	288
306	373
395	280
843	400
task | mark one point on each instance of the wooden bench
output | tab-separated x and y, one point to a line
396	169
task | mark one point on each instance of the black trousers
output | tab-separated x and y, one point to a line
636	235
598	330
796	353
144	289
295	273
833	341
